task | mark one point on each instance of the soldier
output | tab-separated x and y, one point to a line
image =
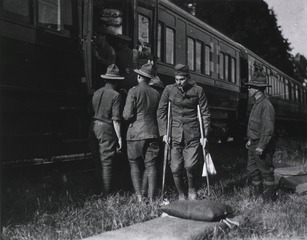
185	140
105	128
142	135
157	84
260	142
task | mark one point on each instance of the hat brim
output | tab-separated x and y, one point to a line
143	73
158	85
257	85
111	77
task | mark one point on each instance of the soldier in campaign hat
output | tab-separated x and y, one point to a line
142	135
185	139
105	128
260	142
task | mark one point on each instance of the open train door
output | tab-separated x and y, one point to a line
86	28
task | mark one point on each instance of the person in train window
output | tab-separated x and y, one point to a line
105	128
104	53
185	138
127	59
260	142
142	135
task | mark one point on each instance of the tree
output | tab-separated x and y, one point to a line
300	67
249	22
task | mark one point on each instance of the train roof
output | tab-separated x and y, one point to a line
200	23
243	50
261	60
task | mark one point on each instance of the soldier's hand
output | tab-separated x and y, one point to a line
166	139
203	141
259	151
120	144
248	144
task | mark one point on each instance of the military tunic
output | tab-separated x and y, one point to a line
260	132
185	130
105	108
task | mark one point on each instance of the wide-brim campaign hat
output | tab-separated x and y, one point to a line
112	73
156	82
145	71
258	81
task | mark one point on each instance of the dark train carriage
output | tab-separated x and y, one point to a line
43	96
48	69
46	43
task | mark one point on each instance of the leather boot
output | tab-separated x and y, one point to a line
269	194
135	177
106	177
256	190
145	183
191	185
152	181
179	185
192	194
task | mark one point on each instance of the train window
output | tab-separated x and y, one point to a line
250	69
159	41
18	9
190	53
296	94
274	79
233	70
207	59
293	92
55	14
287	89
143	28
278	86
283	89
300	93
221	62
198	55
170	46
269	90
226	68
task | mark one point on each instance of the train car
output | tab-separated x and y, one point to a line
43	96
48	71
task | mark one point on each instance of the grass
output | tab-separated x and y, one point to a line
79	214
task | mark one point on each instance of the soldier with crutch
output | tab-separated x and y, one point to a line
182	98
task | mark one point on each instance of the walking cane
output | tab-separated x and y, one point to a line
203	147
167	146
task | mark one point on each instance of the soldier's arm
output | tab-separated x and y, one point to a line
162	112
117	128
116	119
205	113
129	109
268	121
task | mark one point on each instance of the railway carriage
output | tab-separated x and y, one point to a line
48	71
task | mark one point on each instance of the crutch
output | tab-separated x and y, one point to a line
167	146
203	147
